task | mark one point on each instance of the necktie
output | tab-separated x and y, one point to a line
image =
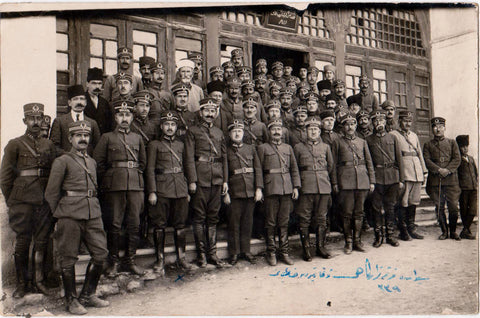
78	117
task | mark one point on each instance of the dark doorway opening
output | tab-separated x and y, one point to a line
272	54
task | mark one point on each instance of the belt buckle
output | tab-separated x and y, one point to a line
211	159
315	167
130	164
355	162
176	170
284	169
39	172
442	159
90	193
244	170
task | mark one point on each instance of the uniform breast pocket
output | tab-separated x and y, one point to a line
271	160
114	153
163	155
26	159
249	159
286	158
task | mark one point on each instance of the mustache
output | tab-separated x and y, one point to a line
97	90
83	143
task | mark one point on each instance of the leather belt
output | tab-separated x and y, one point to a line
409	153
88	193
125	164
314	168
277	170
208	159
352	163
243	170
169	171
386	165
34	173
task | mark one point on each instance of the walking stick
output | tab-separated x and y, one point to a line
439	201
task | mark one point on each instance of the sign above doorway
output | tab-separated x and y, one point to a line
284	20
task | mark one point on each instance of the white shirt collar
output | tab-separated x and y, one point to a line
74	115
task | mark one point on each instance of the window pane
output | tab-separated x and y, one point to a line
379	74
62	42
188	44
62	25
96	47
418	90
111	49
96	62
103	31
418	102
152	52
137	51
383	86
111	67
144	37
349	81
62	62
376	85
180	55
398	100
353	70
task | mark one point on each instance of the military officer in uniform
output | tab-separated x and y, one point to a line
442	159
206	170
277	73
255	131
72	195
387	161
274	112
141	123
125	60
317	173
59	134
414	172
355	177
468	180
216	73
25	168
364	125
312	75
186	118
281	184
232	102
389	107
286	99
167	190
298	133
228	70
245	178
121	160
244	73
162	98
339	92
368	101
144	63
236	57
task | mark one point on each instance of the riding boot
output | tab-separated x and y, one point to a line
411	223
321	238
180	250
200	243
113	270
87	295
402	224
444	228
73	306
159	241
304	238
283	244
453	228
130	252
347	233
271	246
390	234
39	270
212	247
378	236
21	268
357	234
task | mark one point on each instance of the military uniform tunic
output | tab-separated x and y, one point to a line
298	135
165	177
79	215
110	90
162	100
255	132
468	180
145	128
369	101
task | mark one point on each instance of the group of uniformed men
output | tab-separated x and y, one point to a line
273	138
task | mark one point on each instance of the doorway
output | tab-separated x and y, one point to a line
272	54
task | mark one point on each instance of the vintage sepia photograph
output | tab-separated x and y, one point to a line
239	159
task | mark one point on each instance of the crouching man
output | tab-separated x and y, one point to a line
72	195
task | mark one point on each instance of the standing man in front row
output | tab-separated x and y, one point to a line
317	171
207	175
355	176
414	172
72	195
167	190
442	158
387	160
281	184
25	168
121	159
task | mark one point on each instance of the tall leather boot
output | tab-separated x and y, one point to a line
453	226
347	233
411	210
87	295
180	243
73	306
321	238
271	246
212	247
466	232
21	269
390	233
378	236
200	242
304	238
283	244
443	226
357	234
130	255
39	270
402	223
159	241
113	269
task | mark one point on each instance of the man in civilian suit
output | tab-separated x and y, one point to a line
97	107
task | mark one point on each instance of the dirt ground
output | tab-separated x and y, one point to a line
418	277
